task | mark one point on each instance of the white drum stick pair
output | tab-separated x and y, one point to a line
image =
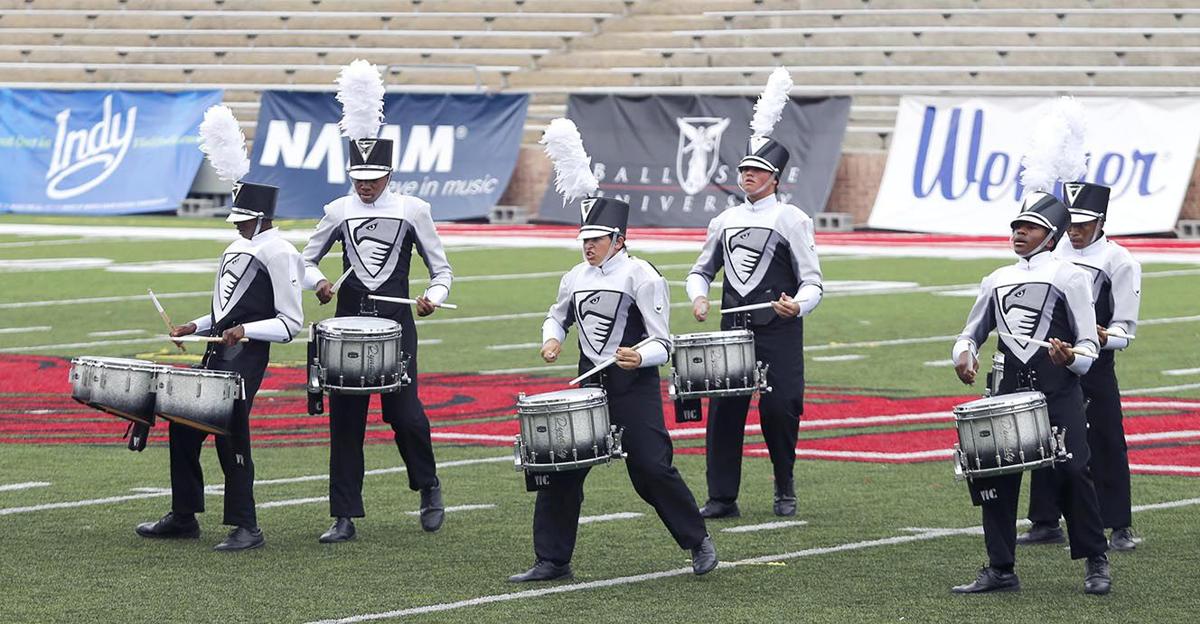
755	306
163	315
606	363
199	338
448	306
1043	343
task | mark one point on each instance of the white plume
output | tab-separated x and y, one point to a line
1056	152
572	166
769	108
360	91
221	138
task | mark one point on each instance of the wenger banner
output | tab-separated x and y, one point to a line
674	157
456	151
954	164
99	152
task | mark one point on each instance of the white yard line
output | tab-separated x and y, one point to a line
641	578
940	363
1161	435
621	515
482	437
881	343
79	345
529	369
292	501
849	357
514	347
112	299
25	330
117	332
1141	391
459	508
766	526
1176	372
12	487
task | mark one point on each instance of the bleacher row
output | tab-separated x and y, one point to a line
874	50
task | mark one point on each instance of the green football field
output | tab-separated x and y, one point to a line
879	542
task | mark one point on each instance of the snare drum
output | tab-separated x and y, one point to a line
715	364
1005	434
359	355
120	386
565	430
996	375
198	398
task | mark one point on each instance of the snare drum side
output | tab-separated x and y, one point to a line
199	399
125	391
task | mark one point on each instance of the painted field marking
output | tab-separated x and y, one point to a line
77	345
482	437
766	526
459	508
12	487
651	576
940	363
1182	371
529	369
292	501
514	347
1141	391
621	515
1188	470
52	264
117	332
849	357
25	330
112	299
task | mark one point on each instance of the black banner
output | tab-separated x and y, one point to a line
674	157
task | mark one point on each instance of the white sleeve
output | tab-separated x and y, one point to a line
710	261
203	324
285	268
654	302
327	233
806	265
555	325
429	245
1126	293
980	322
1082	312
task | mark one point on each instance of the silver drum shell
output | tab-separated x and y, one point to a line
1005	434
714	364
200	399
360	362
119	386
565	434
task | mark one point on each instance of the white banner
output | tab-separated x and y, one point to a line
954	162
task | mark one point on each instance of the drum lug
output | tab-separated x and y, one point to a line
1060	440
518	461
315	375
959	473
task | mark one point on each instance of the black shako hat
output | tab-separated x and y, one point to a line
252	201
602	216
1047	211
765	153
1086	201
370	159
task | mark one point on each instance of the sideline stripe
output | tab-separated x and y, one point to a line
1141	391
113	299
514	347
12	487
24	330
117	332
766	526
641	578
1181	371
459	508
623	515
1188	470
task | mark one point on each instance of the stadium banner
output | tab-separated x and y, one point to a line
954	163
456	151
674	157
99	152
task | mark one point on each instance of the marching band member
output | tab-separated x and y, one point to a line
256	296
1116	287
1040	298
379	231
617	301
767	250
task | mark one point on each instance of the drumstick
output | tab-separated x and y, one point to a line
448	306
606	363
200	338
1116	330
755	306
163	314
338	283
1043	343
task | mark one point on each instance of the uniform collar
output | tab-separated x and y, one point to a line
385	199
1095	248
1035	261
762	204
613	263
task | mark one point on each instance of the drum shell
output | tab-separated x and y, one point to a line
360	363
1013	435
121	387
714	364
564	432
200	399
997	373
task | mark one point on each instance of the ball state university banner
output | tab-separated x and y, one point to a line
99	152
954	163
456	151
674	157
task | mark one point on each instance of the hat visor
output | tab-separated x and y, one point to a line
757	163
1031	217
238	218
1083	217
594	232
368	174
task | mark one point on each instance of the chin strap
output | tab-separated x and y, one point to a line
257	227
1050	238
1099	230
748	192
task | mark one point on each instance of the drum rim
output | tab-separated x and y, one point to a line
200	372
1013	401
732	336
116	363
328	326
584	394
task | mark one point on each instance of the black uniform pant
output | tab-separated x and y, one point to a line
780	345
1071	485
639	411
347	429
233	450
1110	456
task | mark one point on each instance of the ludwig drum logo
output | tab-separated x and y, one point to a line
699	150
84	157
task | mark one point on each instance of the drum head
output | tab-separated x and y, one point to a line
718	337
1000	404
121	363
355	325
562	397
197	372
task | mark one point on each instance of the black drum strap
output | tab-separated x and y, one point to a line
138	435
316	400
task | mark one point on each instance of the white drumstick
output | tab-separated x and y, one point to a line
1043	343
606	363
338	283
1116	330
200	338
755	306
163	314
448	306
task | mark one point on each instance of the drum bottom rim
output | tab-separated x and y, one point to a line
694	394
568	466
195	424
148	421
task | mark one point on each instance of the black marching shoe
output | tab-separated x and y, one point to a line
1123	539
543	571
1098	578
1042	534
170	526
433	511
704	556
341	531
242	538
717	509
785	499
990	580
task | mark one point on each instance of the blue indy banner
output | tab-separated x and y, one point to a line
456	151
99	152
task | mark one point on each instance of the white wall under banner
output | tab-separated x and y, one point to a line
954	162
